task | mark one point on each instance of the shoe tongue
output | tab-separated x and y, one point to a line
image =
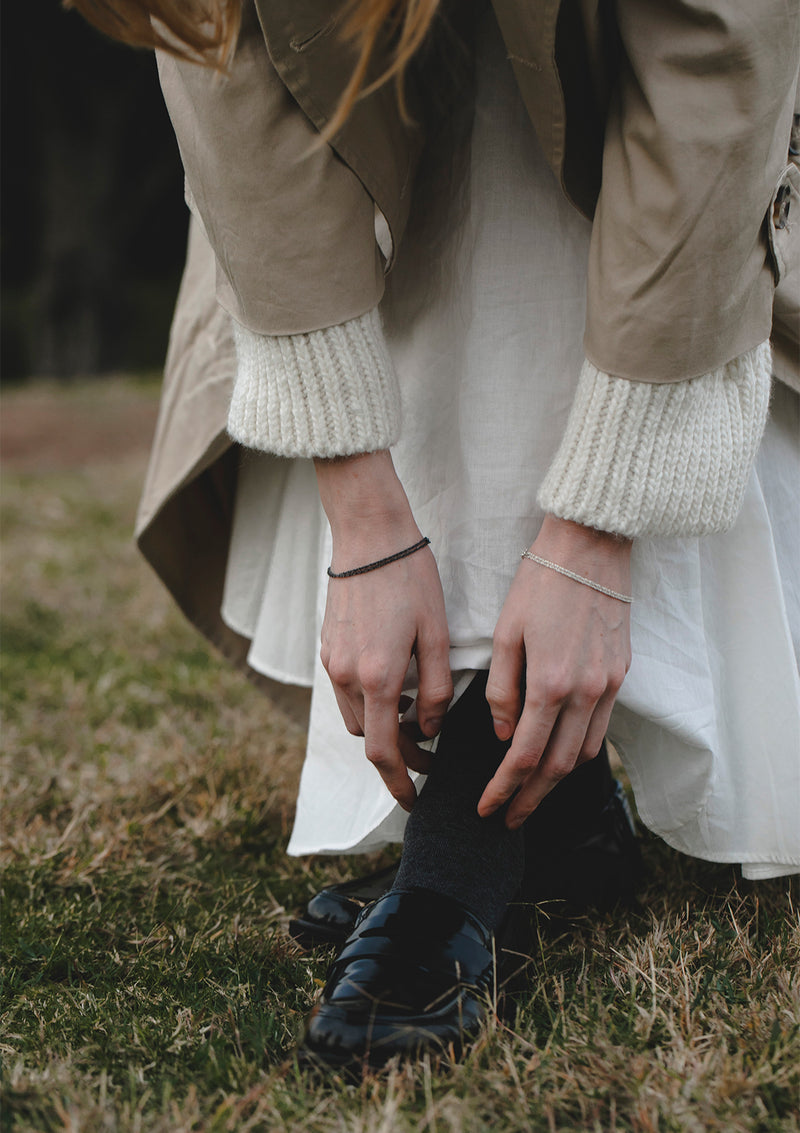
421	913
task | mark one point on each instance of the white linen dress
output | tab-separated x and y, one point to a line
487	356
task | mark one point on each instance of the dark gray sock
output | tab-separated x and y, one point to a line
447	847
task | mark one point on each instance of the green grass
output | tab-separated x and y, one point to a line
148	981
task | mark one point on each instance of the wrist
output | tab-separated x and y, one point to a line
366	504
575	536
600	555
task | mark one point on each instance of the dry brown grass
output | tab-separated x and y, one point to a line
148	981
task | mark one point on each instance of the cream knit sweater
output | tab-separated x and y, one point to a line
637	458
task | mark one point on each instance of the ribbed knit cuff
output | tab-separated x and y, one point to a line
330	392
639	458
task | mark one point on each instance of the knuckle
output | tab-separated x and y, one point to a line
339	671
377	757
613	685
527	761
590	689
617	676
499	696
557	687
439	694
373	676
504	639
558	771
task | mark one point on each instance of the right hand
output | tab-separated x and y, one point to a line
375	622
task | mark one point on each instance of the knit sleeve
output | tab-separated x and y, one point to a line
641	458
331	392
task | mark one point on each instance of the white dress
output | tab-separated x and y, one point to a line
487	355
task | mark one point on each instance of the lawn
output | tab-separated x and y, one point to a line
148	980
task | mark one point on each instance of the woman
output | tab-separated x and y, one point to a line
667	414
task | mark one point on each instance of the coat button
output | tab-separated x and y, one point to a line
780	211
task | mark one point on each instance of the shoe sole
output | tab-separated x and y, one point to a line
310	934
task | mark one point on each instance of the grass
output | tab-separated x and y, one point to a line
148	981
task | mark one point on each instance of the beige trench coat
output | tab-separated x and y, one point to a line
668	127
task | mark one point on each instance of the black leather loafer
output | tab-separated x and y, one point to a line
415	974
330	915
596	868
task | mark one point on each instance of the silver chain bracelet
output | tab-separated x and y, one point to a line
577	577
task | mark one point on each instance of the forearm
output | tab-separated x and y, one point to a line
366	506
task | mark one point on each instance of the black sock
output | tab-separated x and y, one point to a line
571	854
575	803
447	847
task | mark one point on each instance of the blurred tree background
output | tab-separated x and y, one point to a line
93	224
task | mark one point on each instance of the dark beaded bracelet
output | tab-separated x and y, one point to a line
379	562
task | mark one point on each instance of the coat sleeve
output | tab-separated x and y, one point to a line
291	226
673	398
682	266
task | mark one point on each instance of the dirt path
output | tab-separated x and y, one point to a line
45	427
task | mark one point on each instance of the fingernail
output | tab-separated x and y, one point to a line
501	729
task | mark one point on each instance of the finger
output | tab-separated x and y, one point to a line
560	757
351	721
411	728
598	726
346	688
504	686
413	756
435	689
381	744
521	759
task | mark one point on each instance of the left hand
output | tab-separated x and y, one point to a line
570	647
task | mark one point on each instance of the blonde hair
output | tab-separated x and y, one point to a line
399	25
205	31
